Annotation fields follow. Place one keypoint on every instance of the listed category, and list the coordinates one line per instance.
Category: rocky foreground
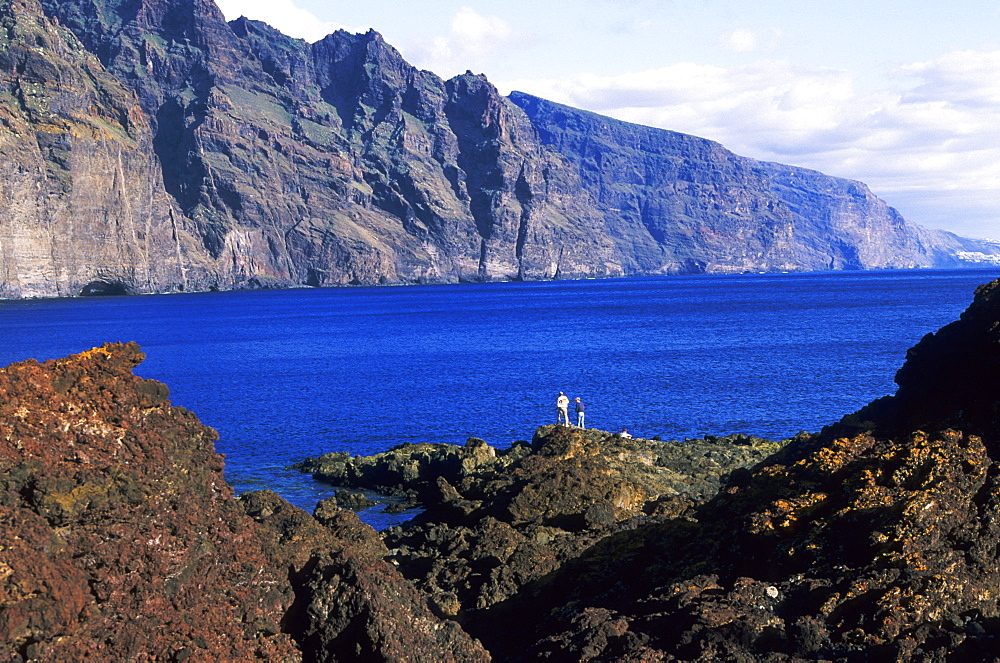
(877, 539)
(121, 540)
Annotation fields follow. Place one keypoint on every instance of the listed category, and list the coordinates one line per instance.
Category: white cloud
(472, 37)
(739, 41)
(932, 135)
(282, 15)
(473, 32)
(959, 77)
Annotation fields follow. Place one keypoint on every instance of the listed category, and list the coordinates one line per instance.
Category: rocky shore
(875, 539)
(496, 520)
(121, 540)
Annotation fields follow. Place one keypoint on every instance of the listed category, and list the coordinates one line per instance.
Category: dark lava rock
(874, 546)
(951, 378)
(409, 469)
(866, 542)
(871, 541)
(354, 501)
(495, 520)
(122, 541)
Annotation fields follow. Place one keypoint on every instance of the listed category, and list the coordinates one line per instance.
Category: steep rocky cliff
(82, 203)
(338, 162)
(841, 224)
(152, 146)
(678, 202)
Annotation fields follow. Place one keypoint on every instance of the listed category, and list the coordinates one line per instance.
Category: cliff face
(81, 193)
(152, 146)
(680, 202)
(676, 203)
(338, 162)
(841, 224)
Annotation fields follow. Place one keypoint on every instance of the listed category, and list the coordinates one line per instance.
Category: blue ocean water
(287, 374)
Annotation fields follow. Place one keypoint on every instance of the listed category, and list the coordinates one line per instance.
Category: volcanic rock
(950, 378)
(876, 539)
(150, 146)
(878, 545)
(122, 540)
(679, 203)
(495, 520)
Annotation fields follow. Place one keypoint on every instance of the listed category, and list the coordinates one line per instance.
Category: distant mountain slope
(151, 146)
(843, 219)
(683, 200)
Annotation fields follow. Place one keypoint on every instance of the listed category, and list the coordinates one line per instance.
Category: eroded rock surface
(122, 541)
(872, 540)
(152, 146)
(867, 541)
(496, 520)
(877, 545)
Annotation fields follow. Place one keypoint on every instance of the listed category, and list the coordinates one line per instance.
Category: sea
(287, 374)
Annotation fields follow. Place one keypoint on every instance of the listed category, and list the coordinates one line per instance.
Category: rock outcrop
(875, 539)
(122, 540)
(880, 544)
(497, 520)
(867, 541)
(151, 146)
(951, 378)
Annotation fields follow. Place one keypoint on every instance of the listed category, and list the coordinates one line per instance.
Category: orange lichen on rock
(120, 538)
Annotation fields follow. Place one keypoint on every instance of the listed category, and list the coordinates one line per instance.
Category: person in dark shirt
(579, 413)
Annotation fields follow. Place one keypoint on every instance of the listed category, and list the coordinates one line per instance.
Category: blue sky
(904, 96)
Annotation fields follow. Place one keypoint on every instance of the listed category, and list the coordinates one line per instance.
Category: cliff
(338, 162)
(151, 146)
(683, 203)
(82, 203)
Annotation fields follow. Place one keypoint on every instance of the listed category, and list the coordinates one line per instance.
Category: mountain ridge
(820, 222)
(260, 160)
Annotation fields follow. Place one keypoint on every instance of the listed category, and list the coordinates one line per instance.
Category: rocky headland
(874, 539)
(496, 520)
(152, 146)
(121, 540)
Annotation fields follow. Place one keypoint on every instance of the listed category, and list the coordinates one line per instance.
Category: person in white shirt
(562, 413)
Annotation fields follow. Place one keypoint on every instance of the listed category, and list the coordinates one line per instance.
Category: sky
(903, 96)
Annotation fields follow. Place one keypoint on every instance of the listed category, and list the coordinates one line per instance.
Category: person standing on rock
(579, 413)
(562, 407)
